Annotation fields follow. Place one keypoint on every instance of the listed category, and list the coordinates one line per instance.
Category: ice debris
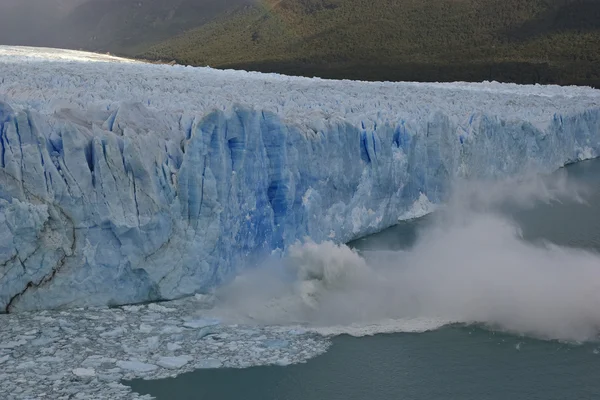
(86, 353)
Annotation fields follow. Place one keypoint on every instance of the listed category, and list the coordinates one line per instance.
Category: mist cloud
(470, 265)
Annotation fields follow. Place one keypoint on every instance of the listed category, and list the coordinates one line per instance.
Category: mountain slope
(120, 26)
(26, 22)
(511, 40)
(129, 26)
(524, 41)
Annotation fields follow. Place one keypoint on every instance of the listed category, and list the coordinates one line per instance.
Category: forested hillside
(546, 41)
(525, 41)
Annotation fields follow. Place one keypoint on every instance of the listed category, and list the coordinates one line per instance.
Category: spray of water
(470, 265)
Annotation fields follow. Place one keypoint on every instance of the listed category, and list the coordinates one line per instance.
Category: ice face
(122, 182)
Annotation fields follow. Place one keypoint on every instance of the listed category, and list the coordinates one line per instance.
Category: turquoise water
(455, 362)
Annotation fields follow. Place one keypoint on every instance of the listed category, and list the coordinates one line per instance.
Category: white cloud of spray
(469, 265)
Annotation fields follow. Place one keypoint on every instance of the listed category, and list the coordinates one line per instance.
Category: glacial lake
(454, 362)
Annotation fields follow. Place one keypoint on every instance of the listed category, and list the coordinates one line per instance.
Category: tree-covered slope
(512, 40)
(525, 41)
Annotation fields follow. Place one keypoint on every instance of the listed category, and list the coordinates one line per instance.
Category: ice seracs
(123, 182)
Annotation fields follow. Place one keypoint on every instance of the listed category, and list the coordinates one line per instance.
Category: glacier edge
(122, 182)
(96, 216)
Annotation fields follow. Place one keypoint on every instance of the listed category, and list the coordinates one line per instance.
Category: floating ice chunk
(204, 332)
(81, 340)
(12, 344)
(201, 323)
(283, 362)
(153, 342)
(159, 308)
(49, 359)
(208, 364)
(84, 372)
(275, 343)
(114, 333)
(169, 330)
(109, 377)
(413, 325)
(26, 365)
(173, 346)
(174, 362)
(204, 299)
(132, 309)
(297, 332)
(136, 366)
(96, 361)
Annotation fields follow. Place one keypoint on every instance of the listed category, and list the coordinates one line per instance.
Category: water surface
(454, 362)
(451, 363)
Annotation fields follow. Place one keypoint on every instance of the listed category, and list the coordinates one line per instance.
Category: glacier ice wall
(125, 199)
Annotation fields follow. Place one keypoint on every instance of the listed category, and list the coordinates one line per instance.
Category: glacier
(123, 182)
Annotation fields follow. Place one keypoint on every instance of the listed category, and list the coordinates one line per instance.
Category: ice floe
(86, 353)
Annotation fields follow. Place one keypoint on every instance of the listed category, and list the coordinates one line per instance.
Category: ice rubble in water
(85, 353)
(122, 182)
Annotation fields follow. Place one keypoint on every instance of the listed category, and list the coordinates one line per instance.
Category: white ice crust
(123, 182)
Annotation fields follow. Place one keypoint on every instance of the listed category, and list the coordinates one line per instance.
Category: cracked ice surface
(84, 354)
(123, 182)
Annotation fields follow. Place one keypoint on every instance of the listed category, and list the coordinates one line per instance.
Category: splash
(469, 265)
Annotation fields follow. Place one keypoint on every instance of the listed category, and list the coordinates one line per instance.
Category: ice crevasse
(123, 182)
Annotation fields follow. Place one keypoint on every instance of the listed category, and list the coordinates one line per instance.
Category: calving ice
(123, 182)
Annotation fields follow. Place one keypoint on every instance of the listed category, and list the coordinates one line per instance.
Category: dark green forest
(523, 41)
